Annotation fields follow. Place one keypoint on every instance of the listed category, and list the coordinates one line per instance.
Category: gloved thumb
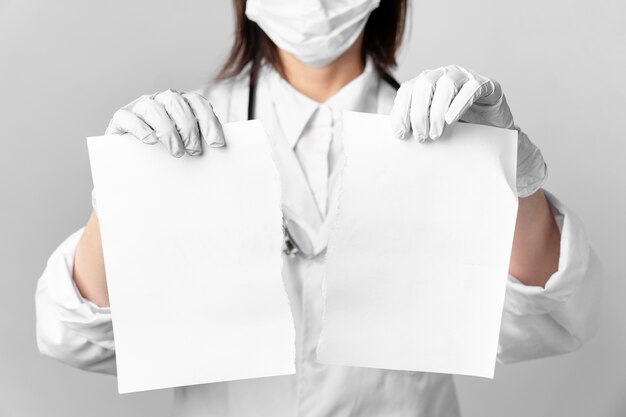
(124, 121)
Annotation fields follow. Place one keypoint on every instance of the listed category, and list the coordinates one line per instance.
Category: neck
(322, 83)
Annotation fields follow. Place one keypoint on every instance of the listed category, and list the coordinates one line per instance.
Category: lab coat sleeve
(562, 315)
(69, 327)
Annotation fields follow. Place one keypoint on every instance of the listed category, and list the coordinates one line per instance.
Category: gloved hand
(180, 121)
(425, 104)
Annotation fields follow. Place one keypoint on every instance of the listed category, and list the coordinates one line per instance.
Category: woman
(296, 66)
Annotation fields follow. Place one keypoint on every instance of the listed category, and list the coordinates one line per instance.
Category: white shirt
(536, 321)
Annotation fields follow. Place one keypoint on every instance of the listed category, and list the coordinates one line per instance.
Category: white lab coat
(537, 322)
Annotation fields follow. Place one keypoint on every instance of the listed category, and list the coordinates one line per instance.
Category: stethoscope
(290, 247)
(388, 78)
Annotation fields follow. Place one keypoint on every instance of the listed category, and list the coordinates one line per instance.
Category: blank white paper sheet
(417, 262)
(192, 250)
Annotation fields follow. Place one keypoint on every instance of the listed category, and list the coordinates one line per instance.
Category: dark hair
(382, 38)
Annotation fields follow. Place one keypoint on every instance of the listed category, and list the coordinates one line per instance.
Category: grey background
(66, 66)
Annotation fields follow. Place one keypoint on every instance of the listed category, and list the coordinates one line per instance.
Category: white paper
(417, 262)
(192, 252)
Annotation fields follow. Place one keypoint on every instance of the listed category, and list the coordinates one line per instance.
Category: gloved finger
(421, 97)
(124, 121)
(183, 118)
(154, 114)
(492, 93)
(210, 126)
(446, 89)
(400, 121)
(472, 91)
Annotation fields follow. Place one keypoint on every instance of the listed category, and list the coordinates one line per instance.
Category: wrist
(532, 171)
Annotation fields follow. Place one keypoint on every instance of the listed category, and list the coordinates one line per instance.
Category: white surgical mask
(315, 31)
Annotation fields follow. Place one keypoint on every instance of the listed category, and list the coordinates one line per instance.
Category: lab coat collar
(294, 109)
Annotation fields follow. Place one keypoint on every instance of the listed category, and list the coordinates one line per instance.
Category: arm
(554, 285)
(535, 254)
(88, 271)
(562, 313)
(69, 327)
(72, 303)
(183, 122)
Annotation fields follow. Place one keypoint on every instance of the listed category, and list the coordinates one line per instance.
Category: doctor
(295, 65)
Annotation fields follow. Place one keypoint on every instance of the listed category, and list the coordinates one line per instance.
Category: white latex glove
(435, 98)
(180, 121)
